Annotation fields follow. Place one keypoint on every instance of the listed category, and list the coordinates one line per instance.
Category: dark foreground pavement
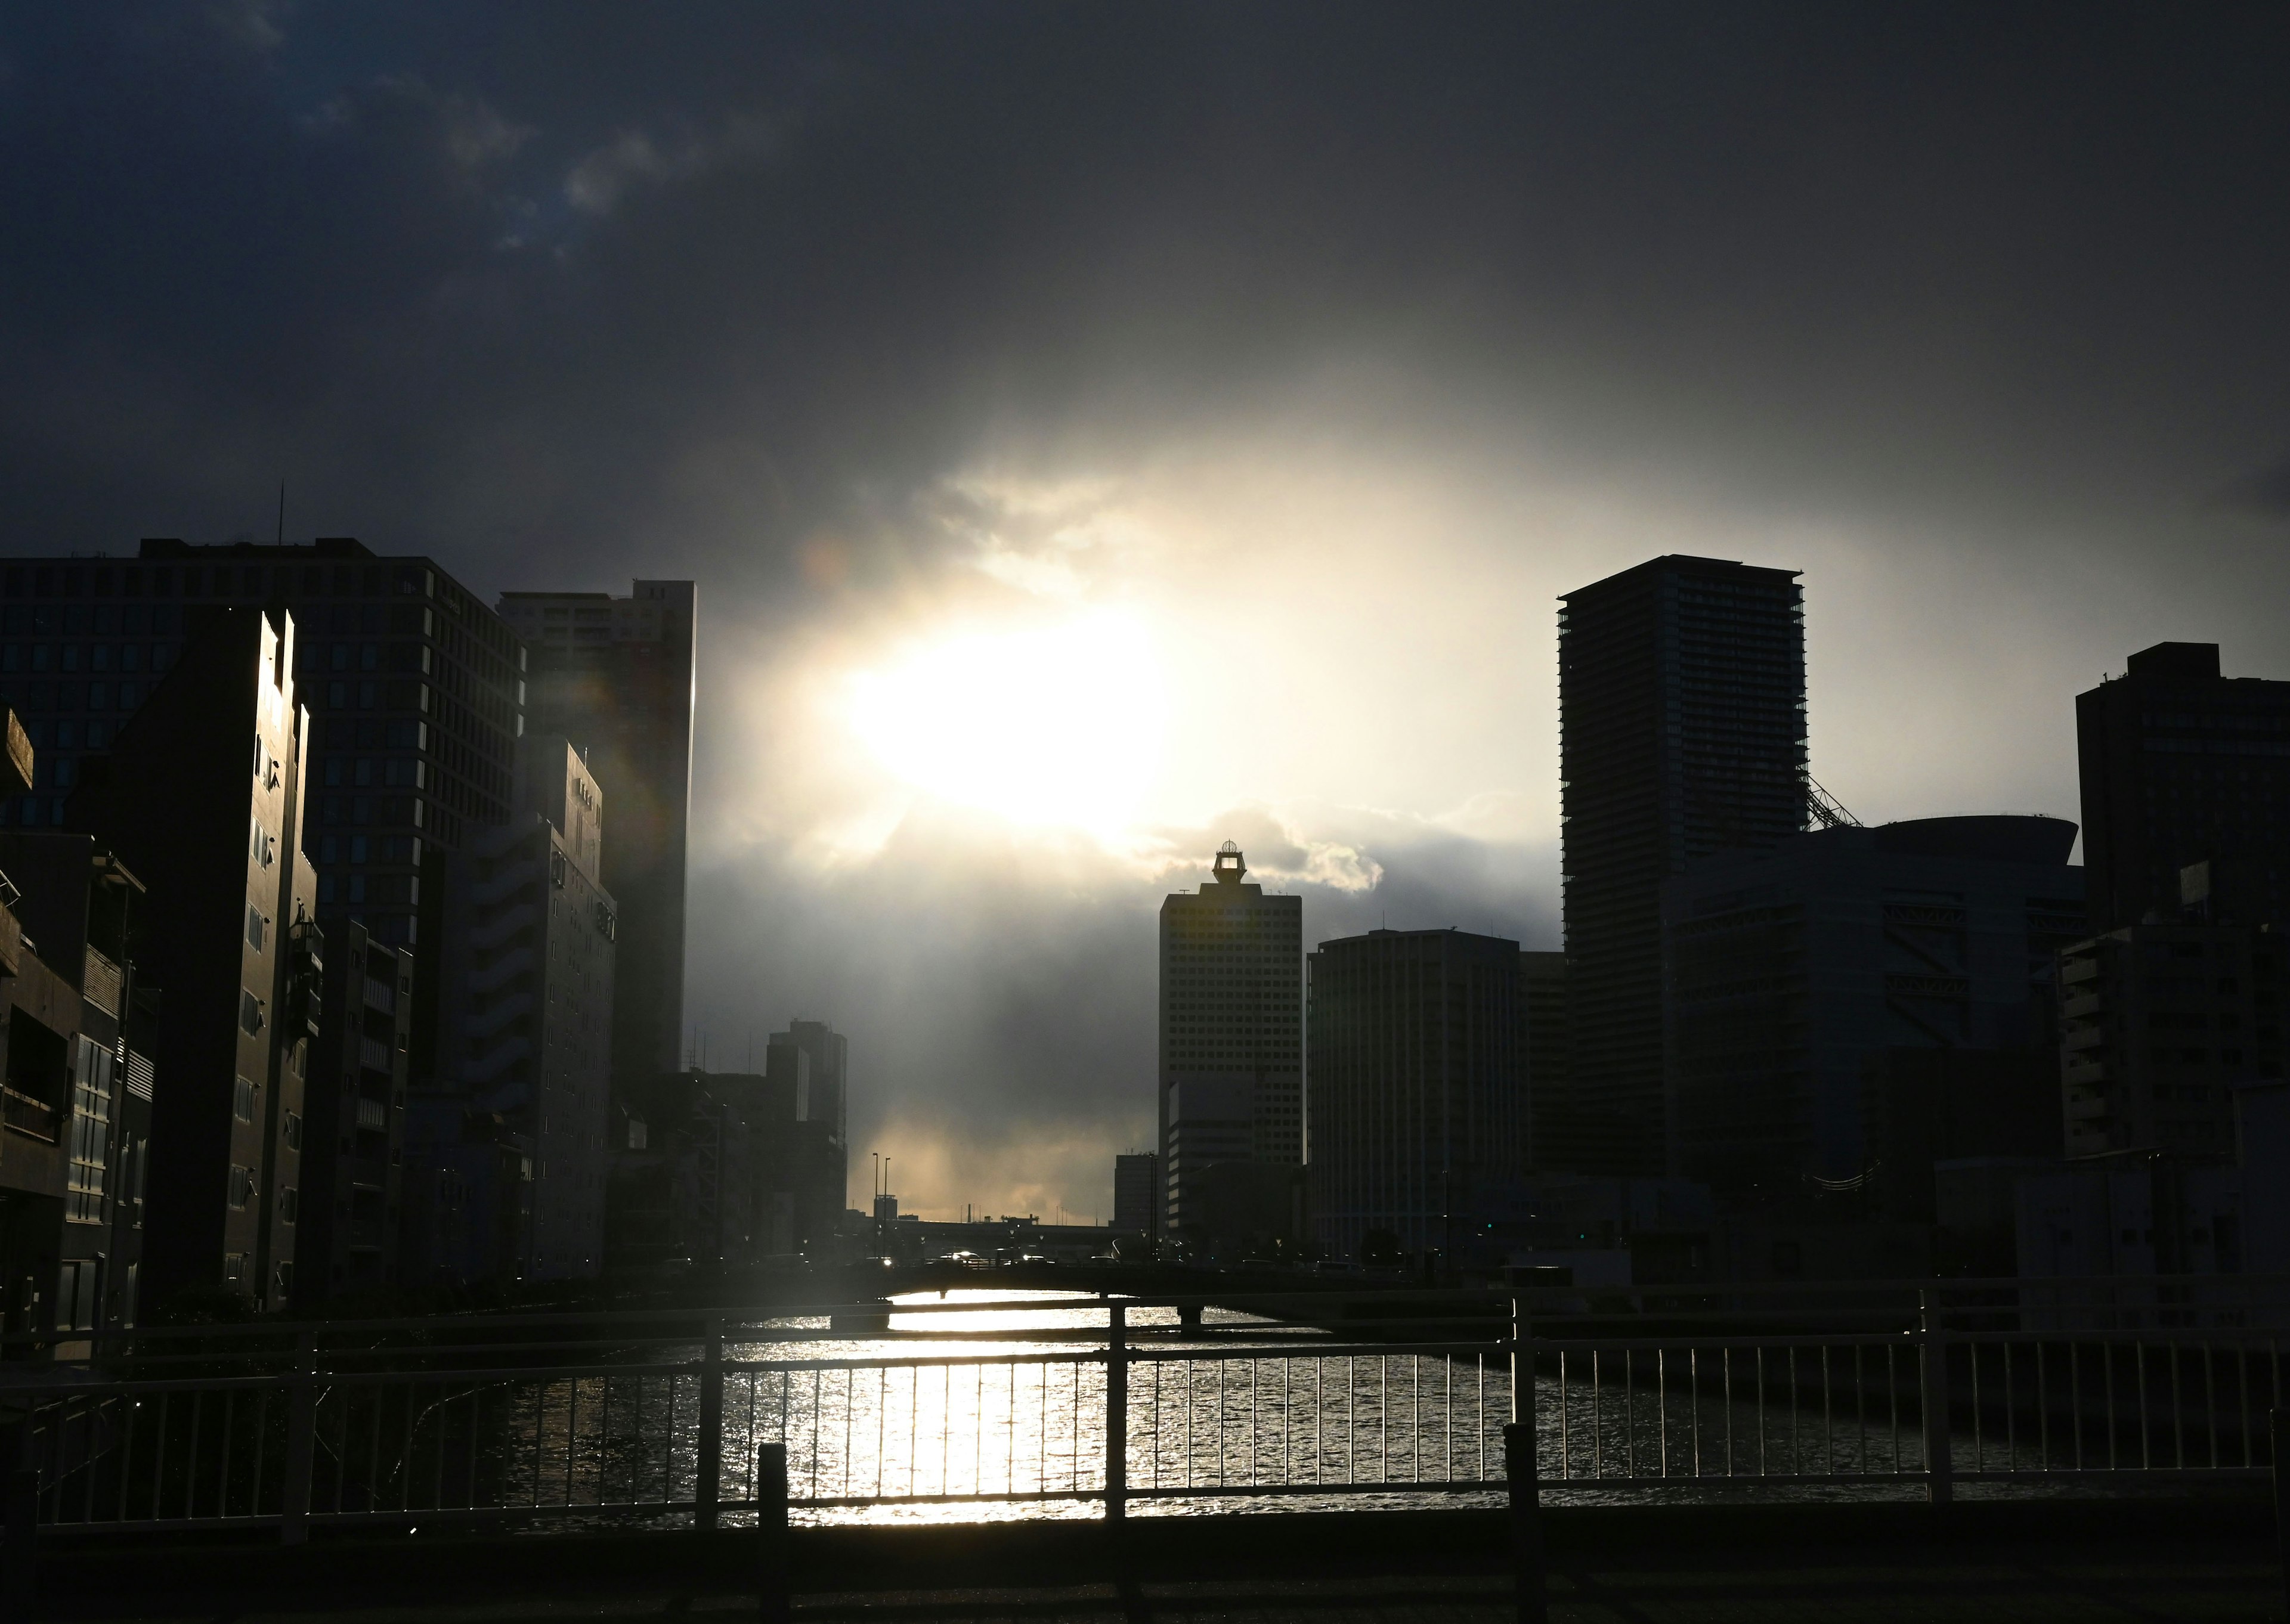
(2169, 1562)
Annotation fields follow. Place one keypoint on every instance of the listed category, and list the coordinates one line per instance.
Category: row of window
(38, 657)
(253, 580)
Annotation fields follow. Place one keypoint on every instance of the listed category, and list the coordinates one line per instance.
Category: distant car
(964, 1259)
(1018, 1258)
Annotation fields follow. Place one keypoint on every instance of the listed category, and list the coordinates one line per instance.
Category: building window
(233, 1263)
(250, 1012)
(293, 1131)
(257, 931)
(242, 1099)
(289, 1204)
(242, 1192)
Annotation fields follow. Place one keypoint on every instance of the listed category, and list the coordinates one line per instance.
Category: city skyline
(1270, 422)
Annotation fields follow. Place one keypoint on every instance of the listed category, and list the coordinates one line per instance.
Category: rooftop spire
(1229, 868)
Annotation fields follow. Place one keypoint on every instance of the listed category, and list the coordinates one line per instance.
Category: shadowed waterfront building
(1548, 1053)
(1418, 1085)
(530, 961)
(2181, 766)
(1232, 1029)
(615, 676)
(804, 1174)
(1790, 972)
(1136, 1193)
(1681, 695)
(355, 1098)
(201, 795)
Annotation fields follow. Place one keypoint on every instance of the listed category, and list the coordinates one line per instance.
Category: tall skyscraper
(353, 1146)
(1137, 1194)
(615, 676)
(2181, 766)
(1232, 1030)
(1419, 1105)
(1681, 697)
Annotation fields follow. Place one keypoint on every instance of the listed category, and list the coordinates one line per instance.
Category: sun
(1057, 725)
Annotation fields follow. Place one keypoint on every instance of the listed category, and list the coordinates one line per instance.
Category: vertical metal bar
(1116, 1414)
(2210, 1401)
(2075, 1397)
(708, 1472)
(1527, 1561)
(301, 1444)
(2242, 1378)
(1761, 1411)
(2011, 1414)
(2278, 1426)
(2178, 1410)
(2107, 1353)
(773, 1598)
(2043, 1410)
(1939, 1464)
(2139, 1358)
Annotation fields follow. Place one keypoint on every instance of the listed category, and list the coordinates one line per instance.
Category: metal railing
(1086, 1406)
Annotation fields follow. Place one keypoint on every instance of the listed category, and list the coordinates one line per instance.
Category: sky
(1099, 431)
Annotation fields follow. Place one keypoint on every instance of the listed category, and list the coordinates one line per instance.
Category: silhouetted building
(1232, 1027)
(615, 676)
(2179, 764)
(1418, 1085)
(77, 903)
(201, 795)
(1788, 969)
(530, 958)
(806, 1154)
(1681, 694)
(685, 1184)
(468, 1213)
(1921, 1106)
(354, 1131)
(1554, 1143)
(1137, 1194)
(2158, 1023)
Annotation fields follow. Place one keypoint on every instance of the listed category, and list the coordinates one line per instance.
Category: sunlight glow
(1056, 726)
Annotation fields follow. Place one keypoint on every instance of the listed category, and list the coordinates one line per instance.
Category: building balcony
(2089, 1107)
(2081, 1040)
(372, 1114)
(2083, 1006)
(102, 983)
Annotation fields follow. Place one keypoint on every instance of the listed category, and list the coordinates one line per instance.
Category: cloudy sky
(1100, 430)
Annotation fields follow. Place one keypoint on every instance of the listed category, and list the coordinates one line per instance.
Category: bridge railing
(1103, 1406)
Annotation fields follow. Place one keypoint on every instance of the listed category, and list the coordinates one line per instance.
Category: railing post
(774, 1601)
(2278, 1428)
(1116, 1413)
(20, 1526)
(301, 1443)
(709, 1489)
(1521, 1474)
(1932, 1398)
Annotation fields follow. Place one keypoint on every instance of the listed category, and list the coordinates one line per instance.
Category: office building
(804, 1117)
(530, 963)
(414, 686)
(201, 796)
(1787, 969)
(354, 1118)
(1232, 1029)
(1547, 1048)
(615, 676)
(1681, 696)
(1137, 1194)
(2180, 766)
(2157, 1024)
(1418, 1088)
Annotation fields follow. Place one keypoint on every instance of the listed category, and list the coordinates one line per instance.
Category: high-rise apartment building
(2181, 766)
(1681, 695)
(1232, 1029)
(615, 676)
(1419, 1100)
(201, 795)
(1790, 971)
(530, 965)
